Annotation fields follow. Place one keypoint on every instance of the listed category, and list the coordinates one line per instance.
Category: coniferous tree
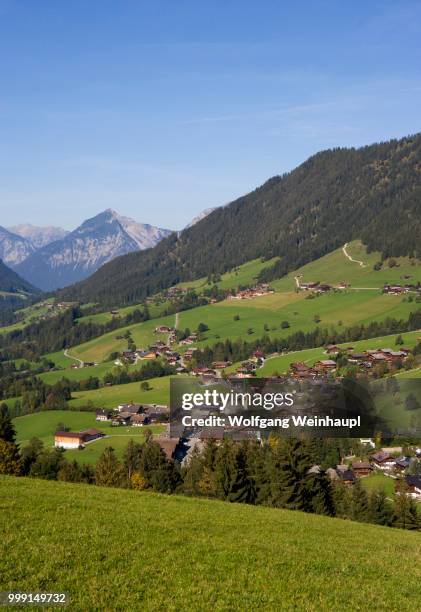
(30, 453)
(7, 431)
(289, 475)
(48, 463)
(108, 470)
(152, 459)
(341, 500)
(380, 510)
(320, 491)
(224, 468)
(243, 487)
(70, 472)
(359, 503)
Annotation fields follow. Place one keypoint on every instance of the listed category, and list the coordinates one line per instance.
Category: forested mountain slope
(372, 193)
(11, 282)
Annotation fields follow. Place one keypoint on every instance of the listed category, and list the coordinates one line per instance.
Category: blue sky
(161, 109)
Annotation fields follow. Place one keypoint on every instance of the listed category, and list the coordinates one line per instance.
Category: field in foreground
(116, 549)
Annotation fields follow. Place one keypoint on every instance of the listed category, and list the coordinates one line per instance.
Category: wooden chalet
(362, 468)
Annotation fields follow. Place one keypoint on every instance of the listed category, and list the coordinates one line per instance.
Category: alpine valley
(311, 279)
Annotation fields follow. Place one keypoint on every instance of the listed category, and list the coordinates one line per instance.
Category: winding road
(79, 361)
(348, 256)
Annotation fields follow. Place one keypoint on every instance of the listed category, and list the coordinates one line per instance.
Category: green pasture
(43, 425)
(174, 552)
(110, 397)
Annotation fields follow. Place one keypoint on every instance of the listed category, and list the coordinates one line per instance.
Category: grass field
(43, 425)
(337, 309)
(155, 309)
(177, 552)
(377, 481)
(335, 268)
(98, 371)
(245, 274)
(110, 397)
(361, 303)
(100, 348)
(281, 363)
(30, 313)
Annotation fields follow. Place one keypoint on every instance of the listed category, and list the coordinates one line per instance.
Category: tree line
(278, 473)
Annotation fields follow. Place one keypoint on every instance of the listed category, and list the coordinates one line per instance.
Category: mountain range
(52, 257)
(38, 236)
(372, 193)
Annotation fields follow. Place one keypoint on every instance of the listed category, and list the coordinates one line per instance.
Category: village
(389, 461)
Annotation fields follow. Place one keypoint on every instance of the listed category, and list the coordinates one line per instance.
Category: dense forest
(371, 193)
(58, 333)
(12, 282)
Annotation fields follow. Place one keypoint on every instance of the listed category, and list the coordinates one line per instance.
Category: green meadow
(92, 451)
(175, 552)
(246, 274)
(280, 364)
(335, 268)
(110, 397)
(43, 425)
(30, 314)
(78, 374)
(376, 481)
(339, 309)
(155, 309)
(100, 348)
(361, 303)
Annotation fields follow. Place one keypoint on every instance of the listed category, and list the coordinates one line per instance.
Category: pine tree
(380, 511)
(259, 464)
(224, 468)
(243, 487)
(342, 500)
(70, 472)
(359, 503)
(152, 458)
(206, 484)
(108, 470)
(7, 431)
(320, 490)
(30, 453)
(289, 473)
(405, 514)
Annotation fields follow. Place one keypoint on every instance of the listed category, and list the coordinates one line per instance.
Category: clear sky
(160, 109)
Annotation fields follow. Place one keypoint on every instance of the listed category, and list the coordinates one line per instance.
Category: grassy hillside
(127, 550)
(335, 267)
(110, 397)
(43, 425)
(280, 364)
(361, 303)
